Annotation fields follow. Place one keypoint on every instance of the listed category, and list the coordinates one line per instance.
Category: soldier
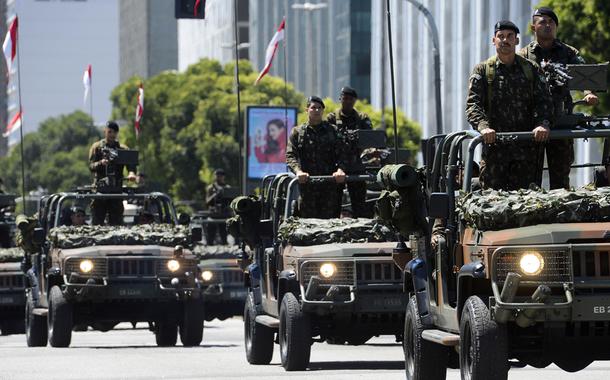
(108, 176)
(546, 47)
(78, 216)
(314, 148)
(508, 94)
(25, 240)
(348, 121)
(218, 206)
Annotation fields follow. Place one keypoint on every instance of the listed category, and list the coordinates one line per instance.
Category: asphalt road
(132, 354)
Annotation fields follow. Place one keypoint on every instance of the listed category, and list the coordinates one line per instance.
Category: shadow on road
(357, 365)
(149, 347)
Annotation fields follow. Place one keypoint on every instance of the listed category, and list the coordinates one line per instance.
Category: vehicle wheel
(573, 365)
(35, 325)
(423, 360)
(483, 343)
(59, 319)
(258, 338)
(358, 340)
(538, 361)
(166, 334)
(191, 328)
(295, 335)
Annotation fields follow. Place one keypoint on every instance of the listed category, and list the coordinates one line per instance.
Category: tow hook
(527, 317)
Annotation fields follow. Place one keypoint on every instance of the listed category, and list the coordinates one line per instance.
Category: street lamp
(313, 69)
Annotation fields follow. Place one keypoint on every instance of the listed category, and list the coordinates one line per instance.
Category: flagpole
(91, 97)
(242, 156)
(21, 117)
(392, 81)
(285, 80)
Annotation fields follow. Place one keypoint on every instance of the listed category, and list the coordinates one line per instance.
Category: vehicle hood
(558, 233)
(120, 250)
(341, 250)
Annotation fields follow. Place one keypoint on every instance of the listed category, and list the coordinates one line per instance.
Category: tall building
(148, 38)
(214, 37)
(57, 40)
(326, 48)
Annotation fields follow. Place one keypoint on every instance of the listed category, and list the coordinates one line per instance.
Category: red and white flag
(271, 49)
(87, 82)
(196, 7)
(14, 125)
(10, 44)
(139, 109)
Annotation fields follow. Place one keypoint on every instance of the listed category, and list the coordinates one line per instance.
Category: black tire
(294, 334)
(166, 334)
(573, 365)
(59, 319)
(35, 325)
(258, 339)
(483, 344)
(423, 360)
(191, 328)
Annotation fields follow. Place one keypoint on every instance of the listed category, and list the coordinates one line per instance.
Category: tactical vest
(490, 74)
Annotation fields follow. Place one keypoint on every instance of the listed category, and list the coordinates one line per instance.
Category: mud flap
(417, 269)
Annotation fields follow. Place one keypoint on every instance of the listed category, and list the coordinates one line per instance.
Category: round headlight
(86, 266)
(328, 270)
(173, 265)
(207, 275)
(531, 263)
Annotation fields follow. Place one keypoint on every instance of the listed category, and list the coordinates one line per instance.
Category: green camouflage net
(150, 234)
(496, 209)
(310, 231)
(11, 255)
(204, 252)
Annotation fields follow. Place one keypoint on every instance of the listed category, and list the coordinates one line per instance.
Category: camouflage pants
(559, 156)
(319, 200)
(510, 168)
(210, 233)
(113, 208)
(357, 196)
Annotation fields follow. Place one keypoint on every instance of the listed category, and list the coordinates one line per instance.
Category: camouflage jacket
(348, 126)
(96, 155)
(315, 149)
(219, 207)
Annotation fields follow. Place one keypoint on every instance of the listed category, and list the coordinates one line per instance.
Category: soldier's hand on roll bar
(339, 176)
(541, 133)
(302, 176)
(489, 135)
(591, 99)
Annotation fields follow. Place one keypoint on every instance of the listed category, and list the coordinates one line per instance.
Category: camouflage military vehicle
(313, 280)
(224, 291)
(521, 276)
(99, 276)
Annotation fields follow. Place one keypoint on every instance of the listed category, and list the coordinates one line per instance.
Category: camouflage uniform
(317, 150)
(517, 105)
(219, 209)
(348, 126)
(560, 153)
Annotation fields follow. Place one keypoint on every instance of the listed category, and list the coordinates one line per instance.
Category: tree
(584, 25)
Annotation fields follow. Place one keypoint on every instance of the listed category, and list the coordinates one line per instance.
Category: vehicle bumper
(12, 303)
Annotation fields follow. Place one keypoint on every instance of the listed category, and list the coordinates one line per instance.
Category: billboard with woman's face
(268, 131)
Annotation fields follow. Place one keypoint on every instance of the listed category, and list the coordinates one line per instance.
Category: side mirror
(184, 219)
(265, 229)
(196, 234)
(439, 205)
(38, 236)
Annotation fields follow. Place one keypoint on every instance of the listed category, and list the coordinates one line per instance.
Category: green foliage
(55, 156)
(584, 25)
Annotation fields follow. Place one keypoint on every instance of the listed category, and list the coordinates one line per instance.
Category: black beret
(505, 24)
(77, 209)
(546, 11)
(316, 99)
(347, 90)
(112, 125)
(219, 172)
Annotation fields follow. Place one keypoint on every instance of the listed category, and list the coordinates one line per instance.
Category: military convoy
(99, 276)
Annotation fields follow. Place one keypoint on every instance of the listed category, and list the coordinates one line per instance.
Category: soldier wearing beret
(315, 149)
(546, 47)
(349, 121)
(218, 207)
(508, 94)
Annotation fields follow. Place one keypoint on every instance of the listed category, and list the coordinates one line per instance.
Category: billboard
(268, 130)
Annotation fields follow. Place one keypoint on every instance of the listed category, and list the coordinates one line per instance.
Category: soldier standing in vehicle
(546, 47)
(349, 121)
(508, 94)
(218, 206)
(108, 177)
(315, 149)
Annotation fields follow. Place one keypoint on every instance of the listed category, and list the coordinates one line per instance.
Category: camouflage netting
(310, 231)
(496, 210)
(150, 234)
(10, 255)
(217, 251)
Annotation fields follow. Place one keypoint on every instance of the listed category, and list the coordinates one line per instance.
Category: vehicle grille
(557, 266)
(377, 272)
(232, 276)
(589, 264)
(344, 275)
(131, 268)
(185, 266)
(100, 268)
(13, 281)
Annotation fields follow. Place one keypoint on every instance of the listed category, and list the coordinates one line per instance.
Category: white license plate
(5, 300)
(130, 292)
(387, 302)
(237, 294)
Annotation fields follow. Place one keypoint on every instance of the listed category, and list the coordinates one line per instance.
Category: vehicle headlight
(173, 265)
(207, 275)
(327, 270)
(86, 266)
(531, 263)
